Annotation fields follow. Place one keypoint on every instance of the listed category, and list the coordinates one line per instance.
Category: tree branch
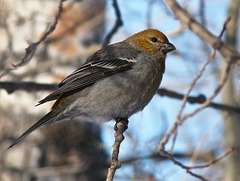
(181, 118)
(118, 23)
(200, 99)
(203, 33)
(206, 156)
(188, 168)
(10, 87)
(30, 50)
(120, 126)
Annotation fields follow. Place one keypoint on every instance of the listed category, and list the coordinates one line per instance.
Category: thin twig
(181, 118)
(202, 32)
(202, 12)
(149, 13)
(216, 92)
(10, 87)
(189, 168)
(225, 154)
(192, 85)
(225, 26)
(118, 23)
(205, 156)
(201, 143)
(166, 154)
(174, 140)
(198, 99)
(31, 49)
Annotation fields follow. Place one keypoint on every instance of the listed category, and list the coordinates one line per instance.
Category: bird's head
(151, 41)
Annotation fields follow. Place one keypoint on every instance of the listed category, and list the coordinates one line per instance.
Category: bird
(117, 81)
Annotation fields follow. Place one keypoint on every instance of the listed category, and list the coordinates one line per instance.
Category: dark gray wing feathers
(97, 67)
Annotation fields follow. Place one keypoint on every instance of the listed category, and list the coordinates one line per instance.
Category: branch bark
(31, 49)
(200, 99)
(186, 18)
(120, 126)
(10, 87)
(118, 23)
(231, 121)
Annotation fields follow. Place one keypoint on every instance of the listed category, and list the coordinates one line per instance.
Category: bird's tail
(45, 120)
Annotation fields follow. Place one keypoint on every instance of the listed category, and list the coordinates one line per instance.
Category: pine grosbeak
(115, 82)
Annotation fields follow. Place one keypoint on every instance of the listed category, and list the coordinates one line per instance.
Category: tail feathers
(46, 120)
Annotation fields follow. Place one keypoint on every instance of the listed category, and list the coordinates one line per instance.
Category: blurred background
(75, 150)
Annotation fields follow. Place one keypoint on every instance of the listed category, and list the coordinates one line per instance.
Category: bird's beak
(168, 47)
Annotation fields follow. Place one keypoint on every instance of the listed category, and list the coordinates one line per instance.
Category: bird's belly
(119, 97)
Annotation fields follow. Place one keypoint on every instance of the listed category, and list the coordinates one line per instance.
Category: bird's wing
(105, 62)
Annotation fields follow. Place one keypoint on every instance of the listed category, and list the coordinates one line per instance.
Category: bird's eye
(154, 39)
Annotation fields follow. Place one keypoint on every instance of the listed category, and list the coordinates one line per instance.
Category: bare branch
(215, 160)
(187, 168)
(216, 92)
(179, 116)
(10, 87)
(206, 156)
(207, 102)
(166, 154)
(193, 84)
(198, 99)
(225, 26)
(202, 12)
(118, 23)
(120, 127)
(30, 50)
(202, 32)
(180, 119)
(149, 13)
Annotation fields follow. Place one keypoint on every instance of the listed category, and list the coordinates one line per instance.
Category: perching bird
(115, 82)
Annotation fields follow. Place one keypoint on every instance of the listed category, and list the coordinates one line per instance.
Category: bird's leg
(124, 121)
